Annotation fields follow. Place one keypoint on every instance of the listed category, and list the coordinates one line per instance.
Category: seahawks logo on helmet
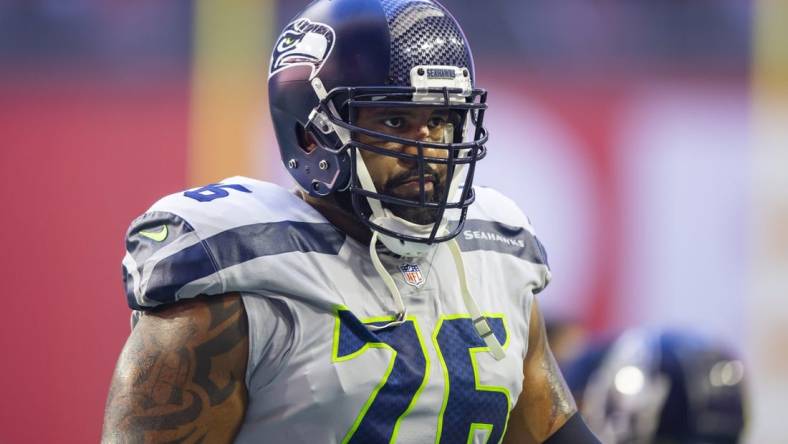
(303, 43)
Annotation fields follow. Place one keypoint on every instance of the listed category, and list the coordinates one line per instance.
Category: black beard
(419, 216)
(416, 215)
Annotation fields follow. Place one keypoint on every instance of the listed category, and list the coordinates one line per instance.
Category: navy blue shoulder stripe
(236, 246)
(248, 242)
(507, 239)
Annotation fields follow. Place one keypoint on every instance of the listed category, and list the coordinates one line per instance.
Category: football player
(386, 300)
(660, 387)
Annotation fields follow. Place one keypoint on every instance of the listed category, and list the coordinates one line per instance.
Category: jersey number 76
(467, 405)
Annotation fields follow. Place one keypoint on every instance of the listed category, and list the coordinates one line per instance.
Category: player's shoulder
(181, 245)
(495, 223)
(236, 201)
(494, 206)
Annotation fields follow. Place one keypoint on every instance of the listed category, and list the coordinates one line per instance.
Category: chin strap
(479, 320)
(366, 182)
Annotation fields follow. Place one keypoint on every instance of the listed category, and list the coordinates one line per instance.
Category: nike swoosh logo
(158, 235)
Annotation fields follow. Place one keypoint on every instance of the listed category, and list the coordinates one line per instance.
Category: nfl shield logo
(412, 274)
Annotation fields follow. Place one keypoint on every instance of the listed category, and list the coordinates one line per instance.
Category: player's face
(400, 177)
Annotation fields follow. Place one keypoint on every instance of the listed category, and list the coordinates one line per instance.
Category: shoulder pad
(183, 246)
(234, 202)
(163, 255)
(496, 223)
(491, 204)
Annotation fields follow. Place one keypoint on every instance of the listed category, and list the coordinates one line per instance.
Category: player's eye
(394, 122)
(436, 122)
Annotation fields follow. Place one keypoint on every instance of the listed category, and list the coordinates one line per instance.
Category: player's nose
(421, 134)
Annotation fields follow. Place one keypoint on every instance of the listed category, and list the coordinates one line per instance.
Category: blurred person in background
(387, 299)
(660, 387)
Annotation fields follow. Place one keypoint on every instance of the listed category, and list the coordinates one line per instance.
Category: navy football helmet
(339, 56)
(656, 387)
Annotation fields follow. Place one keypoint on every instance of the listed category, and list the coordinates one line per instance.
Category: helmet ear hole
(305, 139)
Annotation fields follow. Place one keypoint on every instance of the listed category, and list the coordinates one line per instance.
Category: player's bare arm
(180, 376)
(545, 404)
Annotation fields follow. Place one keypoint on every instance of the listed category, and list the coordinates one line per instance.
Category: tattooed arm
(180, 377)
(545, 403)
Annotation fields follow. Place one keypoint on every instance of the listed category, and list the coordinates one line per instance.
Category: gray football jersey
(317, 373)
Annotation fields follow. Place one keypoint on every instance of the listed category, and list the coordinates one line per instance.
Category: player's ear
(305, 139)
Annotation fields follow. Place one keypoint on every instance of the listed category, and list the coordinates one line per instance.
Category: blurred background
(647, 141)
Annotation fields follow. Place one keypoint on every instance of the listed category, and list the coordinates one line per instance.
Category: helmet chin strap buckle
(323, 122)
